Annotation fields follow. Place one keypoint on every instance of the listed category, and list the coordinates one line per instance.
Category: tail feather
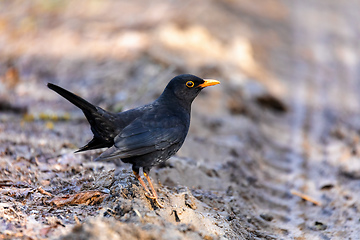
(95, 143)
(102, 123)
(74, 99)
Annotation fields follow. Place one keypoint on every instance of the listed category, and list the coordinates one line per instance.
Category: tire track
(323, 83)
(325, 86)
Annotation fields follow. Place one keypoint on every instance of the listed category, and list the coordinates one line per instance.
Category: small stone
(320, 226)
(266, 217)
(189, 202)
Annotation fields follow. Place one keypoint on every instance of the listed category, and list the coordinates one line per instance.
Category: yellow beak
(209, 82)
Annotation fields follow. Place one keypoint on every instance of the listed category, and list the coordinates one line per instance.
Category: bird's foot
(149, 195)
(155, 198)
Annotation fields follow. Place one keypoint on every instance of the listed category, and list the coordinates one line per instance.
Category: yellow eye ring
(190, 84)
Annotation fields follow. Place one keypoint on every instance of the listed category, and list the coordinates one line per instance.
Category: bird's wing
(142, 137)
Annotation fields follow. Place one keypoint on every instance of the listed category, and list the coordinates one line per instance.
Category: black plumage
(143, 136)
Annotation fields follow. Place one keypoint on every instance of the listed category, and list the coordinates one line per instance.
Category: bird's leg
(154, 194)
(136, 173)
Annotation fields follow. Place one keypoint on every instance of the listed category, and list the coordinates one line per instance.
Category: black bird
(143, 136)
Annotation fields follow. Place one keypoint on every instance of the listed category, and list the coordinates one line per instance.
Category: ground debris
(87, 198)
(319, 226)
(42, 191)
(8, 107)
(190, 201)
(272, 103)
(305, 197)
(267, 217)
(18, 193)
(10, 183)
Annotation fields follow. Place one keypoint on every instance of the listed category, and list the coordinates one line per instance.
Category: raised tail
(74, 99)
(102, 122)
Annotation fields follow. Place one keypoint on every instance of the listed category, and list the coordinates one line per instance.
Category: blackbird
(144, 136)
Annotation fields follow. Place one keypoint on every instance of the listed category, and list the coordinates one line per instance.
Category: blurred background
(284, 119)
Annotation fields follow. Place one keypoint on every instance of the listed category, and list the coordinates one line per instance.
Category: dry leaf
(87, 198)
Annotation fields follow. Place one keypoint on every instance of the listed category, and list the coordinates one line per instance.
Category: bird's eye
(190, 84)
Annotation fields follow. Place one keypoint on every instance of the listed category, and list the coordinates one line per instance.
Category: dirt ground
(272, 152)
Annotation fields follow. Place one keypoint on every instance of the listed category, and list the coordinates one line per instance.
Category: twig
(305, 197)
(137, 213)
(77, 220)
(42, 191)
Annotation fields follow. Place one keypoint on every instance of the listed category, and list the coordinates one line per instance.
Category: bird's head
(186, 87)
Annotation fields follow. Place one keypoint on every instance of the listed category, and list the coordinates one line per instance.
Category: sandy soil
(272, 153)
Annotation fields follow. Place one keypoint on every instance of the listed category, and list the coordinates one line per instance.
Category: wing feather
(142, 137)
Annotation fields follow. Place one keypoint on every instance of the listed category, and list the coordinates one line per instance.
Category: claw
(149, 195)
(155, 199)
(152, 195)
(158, 203)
